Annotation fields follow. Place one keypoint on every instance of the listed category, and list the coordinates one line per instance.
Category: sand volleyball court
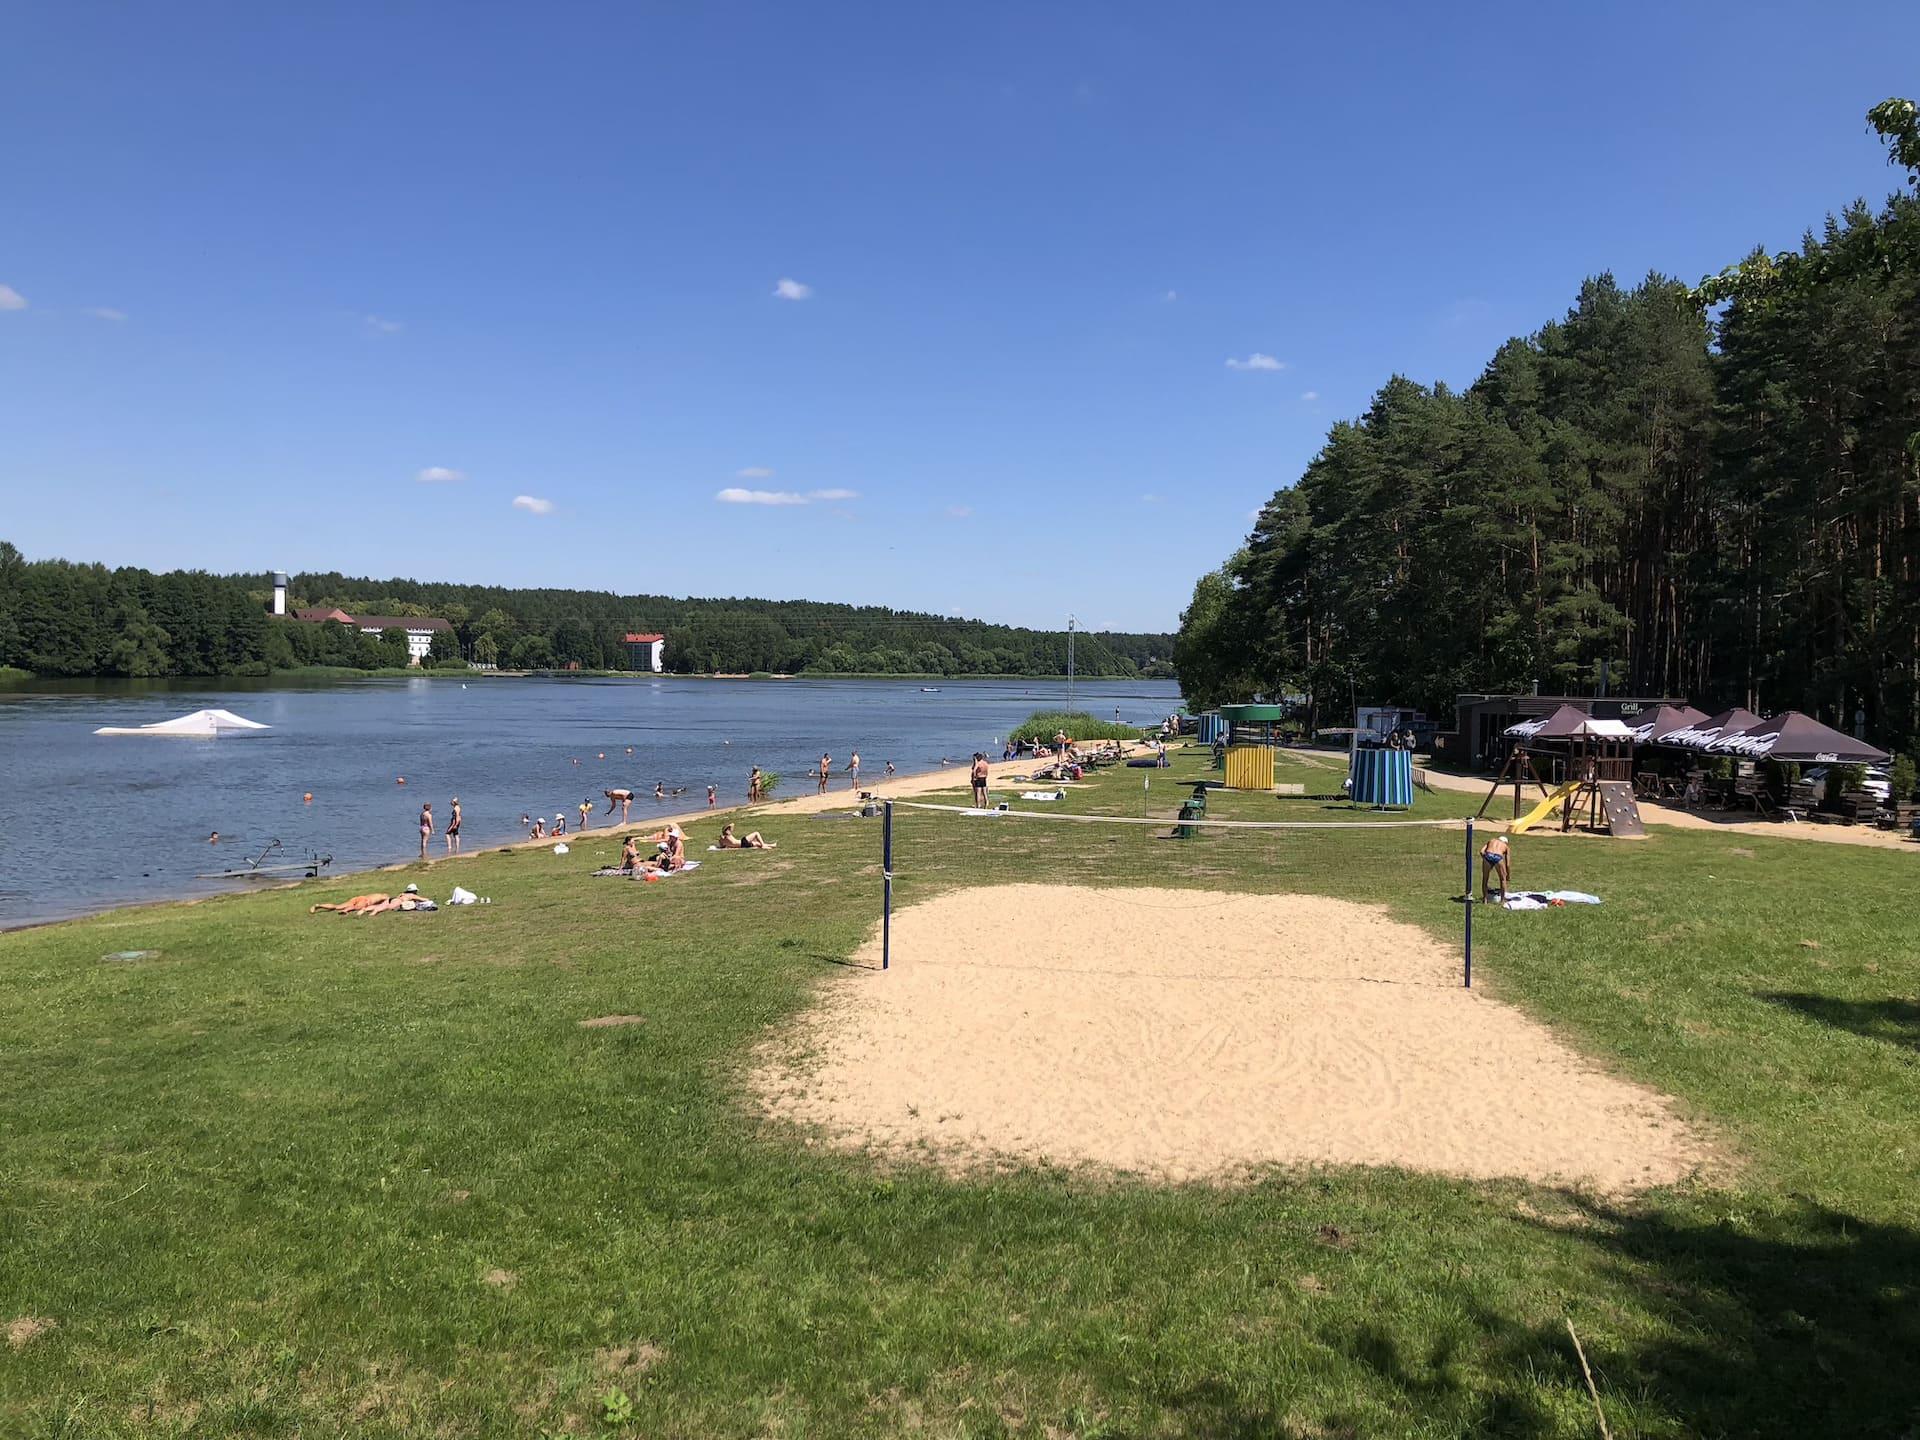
(1193, 1035)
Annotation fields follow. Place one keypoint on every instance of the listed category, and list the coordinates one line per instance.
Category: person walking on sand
(1496, 861)
(622, 798)
(453, 827)
(426, 828)
(826, 770)
(979, 781)
(853, 771)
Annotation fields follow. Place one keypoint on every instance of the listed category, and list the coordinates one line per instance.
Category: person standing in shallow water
(853, 771)
(826, 770)
(426, 827)
(453, 827)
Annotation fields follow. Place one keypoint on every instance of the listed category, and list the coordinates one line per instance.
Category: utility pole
(1069, 664)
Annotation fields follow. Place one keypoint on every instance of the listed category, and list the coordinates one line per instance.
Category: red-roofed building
(645, 650)
(420, 628)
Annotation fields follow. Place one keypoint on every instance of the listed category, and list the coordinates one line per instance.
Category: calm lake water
(90, 821)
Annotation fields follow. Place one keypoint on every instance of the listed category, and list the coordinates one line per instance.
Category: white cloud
(792, 289)
(381, 326)
(959, 512)
(1255, 361)
(533, 504)
(1310, 395)
(754, 472)
(737, 495)
(1171, 296)
(440, 475)
(104, 312)
(1151, 499)
(11, 299)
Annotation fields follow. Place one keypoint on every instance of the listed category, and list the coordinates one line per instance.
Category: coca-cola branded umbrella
(1664, 718)
(1794, 736)
(1702, 734)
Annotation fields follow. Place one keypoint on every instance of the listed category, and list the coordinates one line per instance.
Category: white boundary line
(1174, 820)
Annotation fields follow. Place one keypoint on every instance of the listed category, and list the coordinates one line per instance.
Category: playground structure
(1588, 774)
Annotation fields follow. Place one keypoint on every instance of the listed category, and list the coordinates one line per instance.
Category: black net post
(886, 886)
(1466, 907)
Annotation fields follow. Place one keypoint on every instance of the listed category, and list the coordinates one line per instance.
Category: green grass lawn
(311, 1176)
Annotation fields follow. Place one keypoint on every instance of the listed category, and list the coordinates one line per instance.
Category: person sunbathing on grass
(752, 840)
(1496, 860)
(672, 852)
(358, 905)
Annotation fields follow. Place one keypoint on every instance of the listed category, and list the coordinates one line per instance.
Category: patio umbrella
(1663, 718)
(1703, 733)
(1791, 735)
(1563, 722)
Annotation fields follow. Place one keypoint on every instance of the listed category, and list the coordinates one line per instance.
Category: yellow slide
(1545, 808)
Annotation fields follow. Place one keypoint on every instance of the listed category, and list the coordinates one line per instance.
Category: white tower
(280, 592)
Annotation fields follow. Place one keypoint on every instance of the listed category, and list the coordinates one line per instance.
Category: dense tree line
(61, 618)
(1710, 492)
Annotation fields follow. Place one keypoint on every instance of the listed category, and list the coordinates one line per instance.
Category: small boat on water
(929, 689)
(200, 725)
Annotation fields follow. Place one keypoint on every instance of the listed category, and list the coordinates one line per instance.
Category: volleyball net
(1417, 869)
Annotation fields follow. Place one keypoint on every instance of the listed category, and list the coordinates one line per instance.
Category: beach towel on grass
(614, 872)
(1043, 794)
(1545, 899)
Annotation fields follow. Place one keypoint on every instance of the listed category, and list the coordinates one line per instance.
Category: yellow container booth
(1250, 767)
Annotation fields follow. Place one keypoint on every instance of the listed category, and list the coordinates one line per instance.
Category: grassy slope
(260, 1179)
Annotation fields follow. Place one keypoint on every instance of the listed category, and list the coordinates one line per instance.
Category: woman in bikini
(426, 828)
(630, 855)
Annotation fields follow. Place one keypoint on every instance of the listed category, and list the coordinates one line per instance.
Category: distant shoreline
(904, 784)
(10, 676)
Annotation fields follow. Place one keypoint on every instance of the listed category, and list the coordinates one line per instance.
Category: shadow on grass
(1801, 1321)
(1893, 1020)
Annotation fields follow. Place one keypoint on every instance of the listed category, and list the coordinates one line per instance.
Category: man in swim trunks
(453, 827)
(826, 770)
(752, 840)
(853, 771)
(622, 798)
(979, 781)
(1496, 859)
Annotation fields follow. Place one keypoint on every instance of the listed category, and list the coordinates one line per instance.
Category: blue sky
(265, 267)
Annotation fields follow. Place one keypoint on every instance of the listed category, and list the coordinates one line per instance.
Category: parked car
(1878, 783)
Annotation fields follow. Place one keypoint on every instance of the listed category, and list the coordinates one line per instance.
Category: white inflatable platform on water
(201, 725)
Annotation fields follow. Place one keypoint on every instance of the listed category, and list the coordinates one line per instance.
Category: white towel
(1043, 794)
(462, 896)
